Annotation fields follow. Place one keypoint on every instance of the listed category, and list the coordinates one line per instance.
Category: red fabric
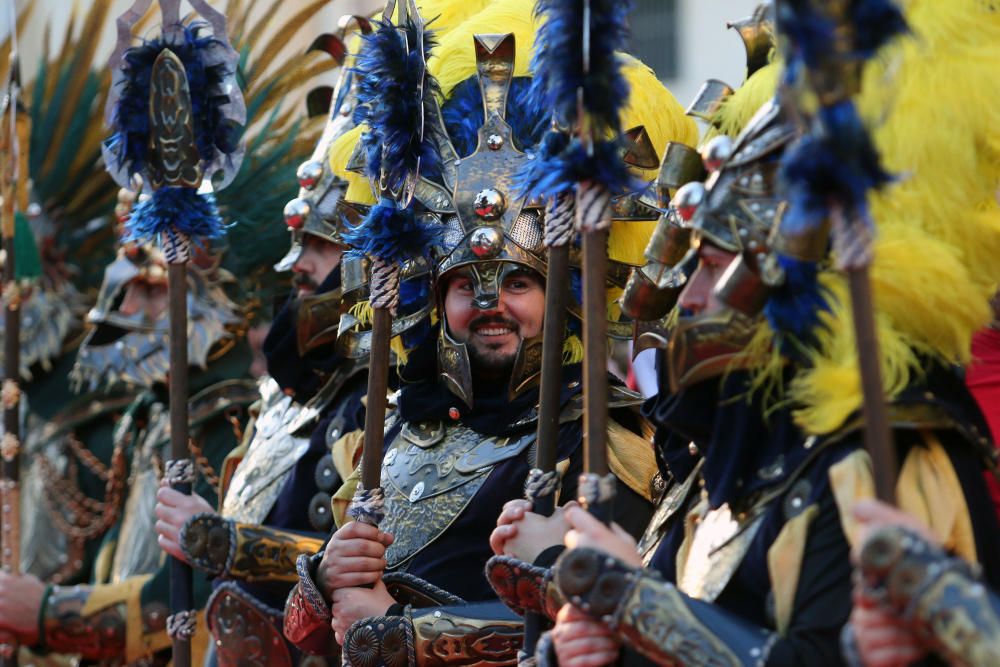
(983, 380)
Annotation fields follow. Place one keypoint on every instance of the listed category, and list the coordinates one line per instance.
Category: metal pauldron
(940, 596)
(433, 637)
(654, 618)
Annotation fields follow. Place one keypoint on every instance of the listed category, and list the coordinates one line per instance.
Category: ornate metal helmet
(739, 204)
(317, 210)
(132, 348)
(485, 130)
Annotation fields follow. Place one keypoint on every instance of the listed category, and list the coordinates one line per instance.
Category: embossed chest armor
(281, 438)
(430, 474)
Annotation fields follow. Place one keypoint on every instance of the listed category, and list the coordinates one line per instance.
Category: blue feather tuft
(463, 115)
(393, 234)
(558, 63)
(213, 134)
(394, 95)
(175, 209)
(875, 22)
(793, 308)
(562, 162)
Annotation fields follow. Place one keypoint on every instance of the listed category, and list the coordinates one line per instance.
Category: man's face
(493, 336)
(698, 296)
(147, 297)
(318, 259)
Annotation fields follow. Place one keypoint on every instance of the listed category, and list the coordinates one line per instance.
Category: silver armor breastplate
(430, 474)
(281, 438)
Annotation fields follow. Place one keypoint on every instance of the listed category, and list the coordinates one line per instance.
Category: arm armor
(476, 635)
(222, 547)
(307, 613)
(942, 597)
(70, 626)
(523, 587)
(656, 619)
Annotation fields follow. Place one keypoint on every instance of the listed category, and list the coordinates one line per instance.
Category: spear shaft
(10, 543)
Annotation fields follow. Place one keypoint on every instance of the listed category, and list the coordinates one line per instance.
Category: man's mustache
(303, 280)
(487, 320)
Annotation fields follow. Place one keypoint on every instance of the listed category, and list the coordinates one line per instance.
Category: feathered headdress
(177, 116)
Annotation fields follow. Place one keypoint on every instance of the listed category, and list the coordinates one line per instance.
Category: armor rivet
(796, 502)
(418, 490)
(494, 142)
(486, 242)
(309, 174)
(687, 199)
(489, 204)
(758, 179)
(437, 614)
(296, 212)
(454, 413)
(716, 152)
(692, 449)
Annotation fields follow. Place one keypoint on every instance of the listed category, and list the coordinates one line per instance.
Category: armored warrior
(102, 463)
(461, 441)
(311, 398)
(747, 558)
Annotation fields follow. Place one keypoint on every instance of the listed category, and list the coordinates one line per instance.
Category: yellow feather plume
(737, 110)
(932, 97)
(454, 59)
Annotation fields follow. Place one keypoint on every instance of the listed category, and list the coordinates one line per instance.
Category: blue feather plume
(394, 96)
(175, 210)
(463, 115)
(129, 142)
(835, 164)
(393, 234)
(558, 63)
(559, 73)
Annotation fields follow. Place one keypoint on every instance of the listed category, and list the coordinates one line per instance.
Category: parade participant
(121, 615)
(748, 561)
(312, 397)
(459, 445)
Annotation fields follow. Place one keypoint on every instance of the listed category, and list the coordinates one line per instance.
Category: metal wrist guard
(478, 635)
(307, 614)
(413, 591)
(942, 597)
(209, 543)
(656, 619)
(523, 587)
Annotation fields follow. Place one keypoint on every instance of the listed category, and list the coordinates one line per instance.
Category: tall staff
(177, 136)
(830, 172)
(10, 394)
(391, 233)
(578, 68)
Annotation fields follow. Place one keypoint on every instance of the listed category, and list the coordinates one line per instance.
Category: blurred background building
(684, 41)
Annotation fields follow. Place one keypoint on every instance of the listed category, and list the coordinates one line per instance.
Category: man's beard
(484, 359)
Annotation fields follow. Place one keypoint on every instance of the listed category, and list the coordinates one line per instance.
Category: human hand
(582, 641)
(523, 534)
(588, 531)
(20, 601)
(874, 514)
(354, 556)
(350, 605)
(173, 509)
(883, 640)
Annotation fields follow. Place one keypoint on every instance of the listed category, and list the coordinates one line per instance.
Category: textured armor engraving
(524, 587)
(442, 639)
(667, 507)
(140, 552)
(428, 481)
(657, 622)
(101, 636)
(720, 542)
(246, 632)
